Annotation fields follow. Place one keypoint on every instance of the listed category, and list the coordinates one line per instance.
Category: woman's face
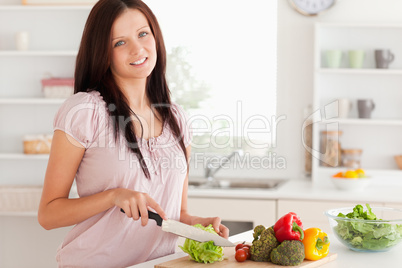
(133, 47)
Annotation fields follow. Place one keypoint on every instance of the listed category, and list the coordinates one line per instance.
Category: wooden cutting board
(230, 261)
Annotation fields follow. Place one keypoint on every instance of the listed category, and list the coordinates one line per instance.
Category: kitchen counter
(296, 195)
(346, 257)
(380, 190)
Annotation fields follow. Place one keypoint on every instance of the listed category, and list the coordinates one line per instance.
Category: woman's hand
(133, 203)
(221, 229)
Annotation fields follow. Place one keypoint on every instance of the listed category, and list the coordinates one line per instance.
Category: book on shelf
(59, 2)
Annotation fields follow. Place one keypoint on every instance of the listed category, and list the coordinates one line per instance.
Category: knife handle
(151, 215)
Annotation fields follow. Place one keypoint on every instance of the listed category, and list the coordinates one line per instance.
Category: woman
(123, 141)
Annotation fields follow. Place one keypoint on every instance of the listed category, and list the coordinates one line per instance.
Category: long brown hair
(92, 71)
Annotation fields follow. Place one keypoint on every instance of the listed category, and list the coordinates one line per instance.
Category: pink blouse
(111, 239)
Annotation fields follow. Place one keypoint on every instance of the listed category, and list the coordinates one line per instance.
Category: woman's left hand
(221, 229)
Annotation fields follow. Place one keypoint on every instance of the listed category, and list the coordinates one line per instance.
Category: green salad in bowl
(370, 230)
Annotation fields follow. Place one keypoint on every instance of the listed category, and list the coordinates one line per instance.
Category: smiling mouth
(138, 62)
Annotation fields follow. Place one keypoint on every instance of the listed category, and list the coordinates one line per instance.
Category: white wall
(295, 65)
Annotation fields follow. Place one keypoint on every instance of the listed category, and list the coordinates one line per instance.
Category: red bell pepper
(289, 227)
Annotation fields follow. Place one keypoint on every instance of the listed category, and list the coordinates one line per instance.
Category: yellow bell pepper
(316, 244)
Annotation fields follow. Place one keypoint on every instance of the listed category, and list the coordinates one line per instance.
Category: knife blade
(188, 231)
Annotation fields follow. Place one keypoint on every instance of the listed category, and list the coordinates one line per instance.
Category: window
(222, 70)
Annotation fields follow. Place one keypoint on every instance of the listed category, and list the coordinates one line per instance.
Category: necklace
(142, 128)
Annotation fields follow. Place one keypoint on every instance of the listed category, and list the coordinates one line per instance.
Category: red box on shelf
(58, 87)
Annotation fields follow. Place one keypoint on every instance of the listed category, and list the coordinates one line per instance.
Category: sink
(236, 184)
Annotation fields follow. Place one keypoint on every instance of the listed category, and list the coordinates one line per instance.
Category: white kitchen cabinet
(312, 212)
(24, 243)
(237, 210)
(378, 137)
(54, 36)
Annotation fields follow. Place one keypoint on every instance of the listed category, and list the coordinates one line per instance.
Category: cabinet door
(243, 210)
(24, 243)
(312, 212)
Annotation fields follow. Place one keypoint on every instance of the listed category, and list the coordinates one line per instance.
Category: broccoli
(289, 252)
(257, 232)
(264, 242)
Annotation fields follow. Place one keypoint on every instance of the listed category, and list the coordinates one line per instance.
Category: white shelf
(68, 53)
(19, 213)
(359, 25)
(21, 156)
(31, 101)
(44, 7)
(359, 71)
(65, 24)
(378, 136)
(364, 122)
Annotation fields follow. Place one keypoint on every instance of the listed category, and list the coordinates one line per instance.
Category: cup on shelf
(383, 57)
(22, 40)
(333, 58)
(356, 58)
(344, 107)
(365, 107)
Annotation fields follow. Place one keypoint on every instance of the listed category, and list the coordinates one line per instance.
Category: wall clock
(311, 7)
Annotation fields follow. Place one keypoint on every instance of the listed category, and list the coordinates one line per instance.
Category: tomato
(247, 250)
(246, 246)
(240, 255)
(239, 246)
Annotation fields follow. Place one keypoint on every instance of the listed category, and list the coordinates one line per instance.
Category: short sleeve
(81, 116)
(183, 123)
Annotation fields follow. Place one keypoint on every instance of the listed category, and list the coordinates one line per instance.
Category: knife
(188, 231)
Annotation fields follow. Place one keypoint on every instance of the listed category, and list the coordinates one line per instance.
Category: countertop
(380, 190)
(346, 257)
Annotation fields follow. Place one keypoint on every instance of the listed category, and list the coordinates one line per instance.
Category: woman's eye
(119, 43)
(142, 34)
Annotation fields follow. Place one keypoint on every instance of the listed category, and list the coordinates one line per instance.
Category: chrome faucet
(210, 169)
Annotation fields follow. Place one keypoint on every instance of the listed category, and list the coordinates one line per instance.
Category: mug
(344, 106)
(333, 58)
(383, 57)
(365, 107)
(356, 58)
(22, 40)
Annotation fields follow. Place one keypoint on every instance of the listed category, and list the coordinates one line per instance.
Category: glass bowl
(367, 235)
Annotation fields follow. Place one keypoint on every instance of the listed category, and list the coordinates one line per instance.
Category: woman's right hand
(133, 203)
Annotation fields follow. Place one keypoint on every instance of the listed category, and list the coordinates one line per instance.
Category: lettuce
(371, 236)
(205, 252)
